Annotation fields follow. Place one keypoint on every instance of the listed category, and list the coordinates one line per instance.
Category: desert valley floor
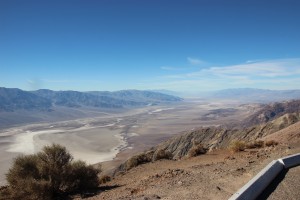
(101, 138)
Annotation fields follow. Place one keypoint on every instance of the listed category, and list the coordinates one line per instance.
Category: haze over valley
(96, 126)
(131, 99)
(97, 132)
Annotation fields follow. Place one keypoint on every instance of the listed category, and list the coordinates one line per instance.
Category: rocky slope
(209, 138)
(272, 111)
(175, 175)
(213, 176)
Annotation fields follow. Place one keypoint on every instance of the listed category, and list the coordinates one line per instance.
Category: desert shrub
(136, 160)
(237, 146)
(255, 144)
(81, 177)
(197, 149)
(49, 174)
(54, 164)
(161, 154)
(271, 143)
(4, 192)
(25, 180)
(104, 179)
(139, 159)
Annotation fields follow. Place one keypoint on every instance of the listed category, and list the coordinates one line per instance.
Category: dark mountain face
(14, 99)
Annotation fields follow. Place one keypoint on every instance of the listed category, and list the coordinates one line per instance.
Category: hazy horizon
(149, 45)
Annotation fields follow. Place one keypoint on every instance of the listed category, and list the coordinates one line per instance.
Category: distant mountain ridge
(139, 96)
(256, 95)
(246, 95)
(14, 99)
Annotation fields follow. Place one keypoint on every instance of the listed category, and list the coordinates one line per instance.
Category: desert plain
(112, 137)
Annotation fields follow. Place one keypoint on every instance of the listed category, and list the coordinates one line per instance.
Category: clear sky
(187, 45)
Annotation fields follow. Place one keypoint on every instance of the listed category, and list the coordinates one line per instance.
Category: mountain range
(24, 107)
(12, 99)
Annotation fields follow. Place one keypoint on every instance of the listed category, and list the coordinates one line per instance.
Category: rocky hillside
(277, 117)
(207, 176)
(216, 137)
(272, 111)
(176, 174)
(203, 177)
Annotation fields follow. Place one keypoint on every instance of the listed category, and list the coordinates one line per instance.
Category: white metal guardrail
(260, 182)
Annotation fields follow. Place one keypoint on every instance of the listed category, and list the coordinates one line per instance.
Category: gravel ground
(216, 175)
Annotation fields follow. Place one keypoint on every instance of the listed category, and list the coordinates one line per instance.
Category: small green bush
(48, 175)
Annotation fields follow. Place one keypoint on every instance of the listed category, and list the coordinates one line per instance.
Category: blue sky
(186, 45)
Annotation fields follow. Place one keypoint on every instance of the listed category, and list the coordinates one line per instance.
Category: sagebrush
(49, 174)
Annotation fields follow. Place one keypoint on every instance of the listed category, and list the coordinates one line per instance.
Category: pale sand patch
(132, 134)
(159, 110)
(24, 143)
(92, 145)
(5, 161)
